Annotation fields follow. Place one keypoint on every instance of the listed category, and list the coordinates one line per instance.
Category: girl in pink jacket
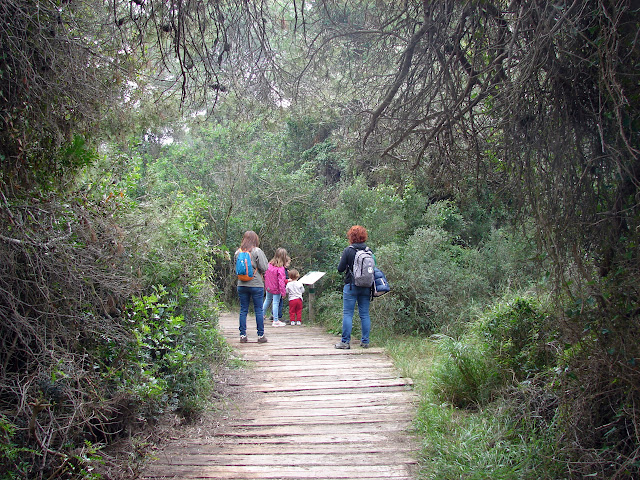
(275, 284)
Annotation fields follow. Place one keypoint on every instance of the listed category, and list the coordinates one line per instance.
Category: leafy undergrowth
(466, 443)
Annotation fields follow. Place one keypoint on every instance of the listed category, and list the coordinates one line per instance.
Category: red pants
(295, 310)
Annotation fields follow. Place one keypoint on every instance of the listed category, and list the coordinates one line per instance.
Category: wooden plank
(283, 472)
(194, 447)
(343, 439)
(292, 394)
(345, 430)
(287, 377)
(328, 353)
(394, 418)
(325, 371)
(288, 458)
(386, 397)
(328, 385)
(300, 409)
(330, 410)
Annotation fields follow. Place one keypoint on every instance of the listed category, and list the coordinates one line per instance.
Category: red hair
(357, 234)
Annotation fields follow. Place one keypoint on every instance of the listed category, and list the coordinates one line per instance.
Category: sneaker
(342, 346)
(243, 339)
(262, 339)
(298, 323)
(364, 345)
(278, 323)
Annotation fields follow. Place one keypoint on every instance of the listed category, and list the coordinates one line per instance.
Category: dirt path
(301, 410)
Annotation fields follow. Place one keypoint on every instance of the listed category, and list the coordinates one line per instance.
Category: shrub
(462, 372)
(520, 335)
(173, 354)
(378, 209)
(437, 280)
(328, 310)
(434, 280)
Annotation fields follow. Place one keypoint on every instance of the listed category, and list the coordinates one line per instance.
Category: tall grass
(489, 441)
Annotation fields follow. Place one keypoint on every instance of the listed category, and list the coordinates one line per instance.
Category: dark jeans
(246, 294)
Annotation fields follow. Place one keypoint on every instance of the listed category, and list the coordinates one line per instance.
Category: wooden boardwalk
(302, 410)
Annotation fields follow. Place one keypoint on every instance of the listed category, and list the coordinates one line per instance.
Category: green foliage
(511, 437)
(82, 463)
(306, 133)
(176, 251)
(520, 335)
(463, 374)
(76, 154)
(170, 357)
(11, 466)
(327, 161)
(243, 176)
(434, 280)
(378, 209)
(445, 215)
(414, 204)
(328, 309)
(482, 445)
(46, 116)
(438, 280)
(511, 341)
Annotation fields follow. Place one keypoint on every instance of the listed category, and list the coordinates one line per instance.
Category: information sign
(311, 277)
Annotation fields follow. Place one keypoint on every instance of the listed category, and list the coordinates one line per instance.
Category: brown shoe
(262, 339)
(243, 339)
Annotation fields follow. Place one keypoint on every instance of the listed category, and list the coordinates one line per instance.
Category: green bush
(174, 353)
(437, 279)
(462, 372)
(508, 261)
(511, 341)
(520, 335)
(434, 280)
(328, 310)
(378, 209)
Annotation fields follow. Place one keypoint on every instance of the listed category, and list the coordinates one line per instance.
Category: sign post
(310, 279)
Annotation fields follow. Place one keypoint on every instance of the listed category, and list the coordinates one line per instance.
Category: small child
(295, 289)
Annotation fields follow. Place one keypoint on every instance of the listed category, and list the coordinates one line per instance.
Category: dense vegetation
(490, 148)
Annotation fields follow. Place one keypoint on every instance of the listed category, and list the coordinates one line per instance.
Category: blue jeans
(246, 294)
(273, 298)
(350, 296)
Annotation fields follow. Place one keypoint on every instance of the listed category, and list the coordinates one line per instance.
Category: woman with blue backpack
(358, 265)
(251, 265)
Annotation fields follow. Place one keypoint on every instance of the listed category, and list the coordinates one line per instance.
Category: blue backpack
(380, 283)
(244, 269)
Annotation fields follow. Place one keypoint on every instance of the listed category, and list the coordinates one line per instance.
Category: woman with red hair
(353, 294)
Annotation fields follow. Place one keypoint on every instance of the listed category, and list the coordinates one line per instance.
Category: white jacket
(295, 289)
